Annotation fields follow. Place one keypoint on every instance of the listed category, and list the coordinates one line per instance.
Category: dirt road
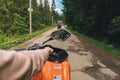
(87, 61)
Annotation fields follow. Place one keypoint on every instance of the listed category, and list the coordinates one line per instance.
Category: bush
(7, 42)
(114, 31)
(19, 25)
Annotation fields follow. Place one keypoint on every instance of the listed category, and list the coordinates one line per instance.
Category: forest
(14, 16)
(15, 20)
(98, 19)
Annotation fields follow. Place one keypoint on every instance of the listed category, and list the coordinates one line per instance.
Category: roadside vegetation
(97, 19)
(108, 47)
(14, 20)
(7, 42)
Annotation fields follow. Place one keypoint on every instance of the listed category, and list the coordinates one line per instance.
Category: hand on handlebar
(56, 54)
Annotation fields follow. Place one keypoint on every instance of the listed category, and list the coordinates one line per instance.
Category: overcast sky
(59, 5)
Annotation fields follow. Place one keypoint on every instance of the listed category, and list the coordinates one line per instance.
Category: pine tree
(47, 13)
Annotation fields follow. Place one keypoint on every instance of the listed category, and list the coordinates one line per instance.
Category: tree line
(99, 19)
(14, 16)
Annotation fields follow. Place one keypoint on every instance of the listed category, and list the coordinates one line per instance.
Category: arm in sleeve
(21, 65)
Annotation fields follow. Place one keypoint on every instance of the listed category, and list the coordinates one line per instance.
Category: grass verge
(109, 47)
(9, 42)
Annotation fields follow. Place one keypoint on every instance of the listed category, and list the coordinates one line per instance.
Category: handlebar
(58, 54)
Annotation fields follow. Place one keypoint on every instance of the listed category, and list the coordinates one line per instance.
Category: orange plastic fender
(54, 71)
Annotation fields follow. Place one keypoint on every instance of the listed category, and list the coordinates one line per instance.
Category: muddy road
(87, 61)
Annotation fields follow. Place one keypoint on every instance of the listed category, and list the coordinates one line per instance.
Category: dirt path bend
(87, 61)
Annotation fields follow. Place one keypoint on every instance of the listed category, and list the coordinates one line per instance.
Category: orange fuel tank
(54, 71)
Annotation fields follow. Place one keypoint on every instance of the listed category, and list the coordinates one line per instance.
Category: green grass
(8, 42)
(109, 47)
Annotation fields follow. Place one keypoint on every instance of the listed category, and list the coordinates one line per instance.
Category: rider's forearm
(21, 65)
